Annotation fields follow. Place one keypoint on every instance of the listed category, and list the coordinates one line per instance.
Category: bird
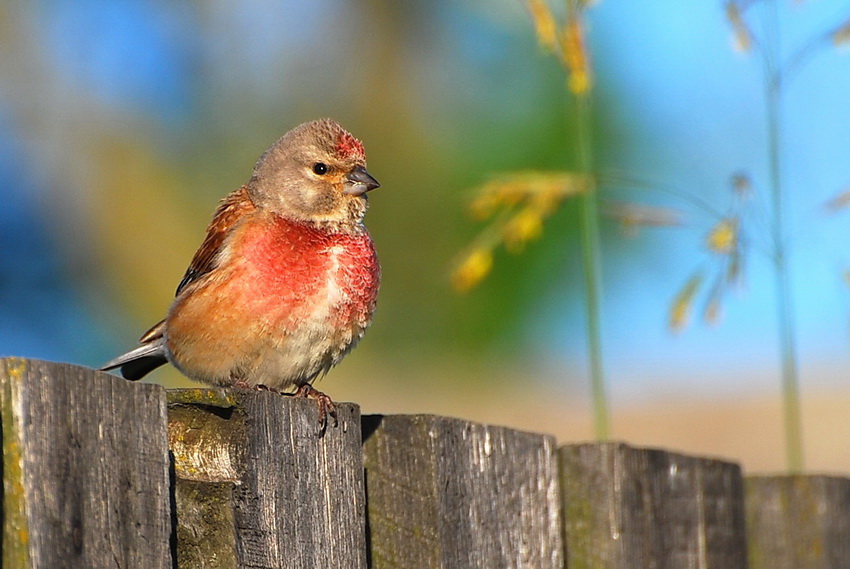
(286, 279)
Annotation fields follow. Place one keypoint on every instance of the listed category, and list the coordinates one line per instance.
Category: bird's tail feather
(137, 363)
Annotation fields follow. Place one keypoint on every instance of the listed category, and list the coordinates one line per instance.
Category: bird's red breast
(288, 271)
(285, 303)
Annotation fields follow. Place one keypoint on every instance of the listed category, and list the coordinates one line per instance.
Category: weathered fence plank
(259, 485)
(629, 507)
(85, 469)
(254, 483)
(798, 521)
(446, 493)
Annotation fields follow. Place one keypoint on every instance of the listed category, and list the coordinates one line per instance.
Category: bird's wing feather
(235, 205)
(155, 332)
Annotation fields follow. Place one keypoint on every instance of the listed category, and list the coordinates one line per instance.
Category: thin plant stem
(590, 254)
(785, 309)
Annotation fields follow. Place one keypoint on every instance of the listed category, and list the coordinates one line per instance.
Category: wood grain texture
(630, 507)
(798, 521)
(85, 469)
(257, 463)
(446, 493)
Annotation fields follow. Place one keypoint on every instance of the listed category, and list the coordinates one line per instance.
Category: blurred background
(122, 123)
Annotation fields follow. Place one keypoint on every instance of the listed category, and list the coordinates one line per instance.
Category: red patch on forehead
(349, 147)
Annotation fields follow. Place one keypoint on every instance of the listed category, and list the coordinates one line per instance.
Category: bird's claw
(323, 401)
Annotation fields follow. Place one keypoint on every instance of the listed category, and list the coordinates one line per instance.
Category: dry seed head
(545, 26)
(838, 202)
(723, 237)
(841, 36)
(551, 189)
(680, 310)
(711, 315)
(575, 57)
(544, 190)
(522, 228)
(741, 37)
(632, 216)
(483, 206)
(741, 185)
(504, 192)
(735, 270)
(472, 269)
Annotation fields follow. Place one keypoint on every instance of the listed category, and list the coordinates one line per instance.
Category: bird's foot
(324, 402)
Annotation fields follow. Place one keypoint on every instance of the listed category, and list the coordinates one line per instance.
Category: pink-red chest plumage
(287, 302)
(294, 272)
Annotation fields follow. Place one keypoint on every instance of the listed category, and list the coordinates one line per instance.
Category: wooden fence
(99, 472)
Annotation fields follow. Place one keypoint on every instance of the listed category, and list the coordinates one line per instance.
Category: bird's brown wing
(235, 205)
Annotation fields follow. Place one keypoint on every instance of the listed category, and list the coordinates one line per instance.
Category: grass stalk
(784, 297)
(591, 269)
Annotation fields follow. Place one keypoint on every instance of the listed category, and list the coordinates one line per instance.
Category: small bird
(285, 282)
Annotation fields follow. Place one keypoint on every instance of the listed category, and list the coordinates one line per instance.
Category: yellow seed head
(723, 237)
(575, 57)
(579, 82)
(495, 194)
(680, 310)
(545, 26)
(472, 270)
(522, 228)
(542, 190)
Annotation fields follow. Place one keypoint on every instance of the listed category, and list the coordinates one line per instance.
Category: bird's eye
(320, 168)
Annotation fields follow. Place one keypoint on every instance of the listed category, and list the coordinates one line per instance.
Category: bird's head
(315, 173)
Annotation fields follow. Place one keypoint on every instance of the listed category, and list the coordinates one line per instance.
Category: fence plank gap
(258, 482)
(632, 507)
(446, 493)
(798, 521)
(85, 469)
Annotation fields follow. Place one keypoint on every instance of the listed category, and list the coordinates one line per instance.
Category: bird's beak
(358, 182)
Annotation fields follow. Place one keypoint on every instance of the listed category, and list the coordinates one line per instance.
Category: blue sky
(700, 104)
